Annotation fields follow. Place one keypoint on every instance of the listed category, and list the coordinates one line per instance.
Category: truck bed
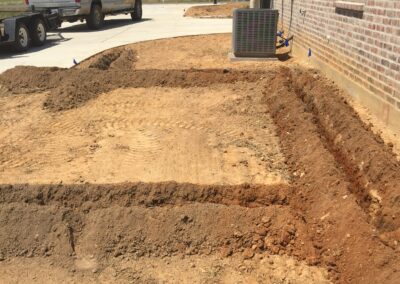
(11, 8)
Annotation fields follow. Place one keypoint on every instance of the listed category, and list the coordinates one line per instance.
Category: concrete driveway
(75, 41)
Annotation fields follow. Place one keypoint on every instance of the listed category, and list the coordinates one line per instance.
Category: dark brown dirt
(146, 194)
(70, 88)
(153, 219)
(370, 165)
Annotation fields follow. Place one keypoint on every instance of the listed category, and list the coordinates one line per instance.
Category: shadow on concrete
(53, 38)
(56, 37)
(108, 24)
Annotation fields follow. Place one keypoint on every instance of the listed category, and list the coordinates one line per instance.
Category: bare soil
(191, 169)
(215, 11)
(175, 269)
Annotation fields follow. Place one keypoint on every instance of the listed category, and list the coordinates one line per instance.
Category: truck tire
(95, 20)
(136, 15)
(22, 39)
(38, 32)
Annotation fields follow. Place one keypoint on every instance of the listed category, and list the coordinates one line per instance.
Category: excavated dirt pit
(131, 168)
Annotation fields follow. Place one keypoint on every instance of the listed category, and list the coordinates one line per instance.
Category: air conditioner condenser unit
(254, 32)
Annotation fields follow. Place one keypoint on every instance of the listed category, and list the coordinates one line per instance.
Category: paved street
(75, 41)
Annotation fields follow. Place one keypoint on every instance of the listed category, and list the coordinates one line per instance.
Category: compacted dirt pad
(275, 177)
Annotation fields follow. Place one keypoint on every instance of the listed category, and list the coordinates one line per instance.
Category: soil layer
(272, 166)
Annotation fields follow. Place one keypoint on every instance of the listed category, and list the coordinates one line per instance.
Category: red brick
(368, 50)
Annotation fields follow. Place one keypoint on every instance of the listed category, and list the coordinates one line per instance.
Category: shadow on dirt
(284, 56)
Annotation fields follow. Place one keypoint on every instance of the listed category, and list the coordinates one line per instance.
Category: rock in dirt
(248, 253)
(226, 251)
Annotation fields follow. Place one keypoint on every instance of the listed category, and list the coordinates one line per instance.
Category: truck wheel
(137, 12)
(95, 20)
(38, 32)
(22, 40)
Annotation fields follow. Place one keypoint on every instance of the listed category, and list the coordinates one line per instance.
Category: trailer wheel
(38, 32)
(95, 20)
(137, 12)
(22, 40)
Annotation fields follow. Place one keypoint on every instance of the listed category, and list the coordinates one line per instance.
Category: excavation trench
(370, 165)
(325, 186)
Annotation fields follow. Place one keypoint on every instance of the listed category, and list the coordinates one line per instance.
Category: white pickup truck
(93, 11)
(25, 22)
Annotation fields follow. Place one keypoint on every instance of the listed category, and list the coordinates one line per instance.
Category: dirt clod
(248, 253)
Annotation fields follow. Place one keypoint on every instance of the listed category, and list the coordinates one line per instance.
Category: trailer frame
(29, 28)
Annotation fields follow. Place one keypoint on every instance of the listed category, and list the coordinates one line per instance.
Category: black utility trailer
(22, 28)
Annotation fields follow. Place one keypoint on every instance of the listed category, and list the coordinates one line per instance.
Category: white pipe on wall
(255, 4)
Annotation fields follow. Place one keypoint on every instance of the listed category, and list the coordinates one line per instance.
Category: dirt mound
(70, 88)
(146, 194)
(64, 220)
(215, 11)
(122, 58)
(35, 79)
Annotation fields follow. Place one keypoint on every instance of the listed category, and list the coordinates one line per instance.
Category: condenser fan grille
(254, 32)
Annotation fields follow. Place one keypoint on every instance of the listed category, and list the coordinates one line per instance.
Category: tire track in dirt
(17, 157)
(140, 147)
(193, 127)
(3, 90)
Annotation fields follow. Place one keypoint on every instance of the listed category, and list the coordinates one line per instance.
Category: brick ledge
(355, 6)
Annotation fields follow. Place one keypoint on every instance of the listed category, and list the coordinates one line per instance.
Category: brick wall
(366, 49)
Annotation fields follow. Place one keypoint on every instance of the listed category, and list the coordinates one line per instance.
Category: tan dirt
(190, 269)
(215, 11)
(276, 179)
(153, 134)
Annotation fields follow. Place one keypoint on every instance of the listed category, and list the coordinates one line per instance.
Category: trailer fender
(9, 29)
(10, 24)
(51, 21)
